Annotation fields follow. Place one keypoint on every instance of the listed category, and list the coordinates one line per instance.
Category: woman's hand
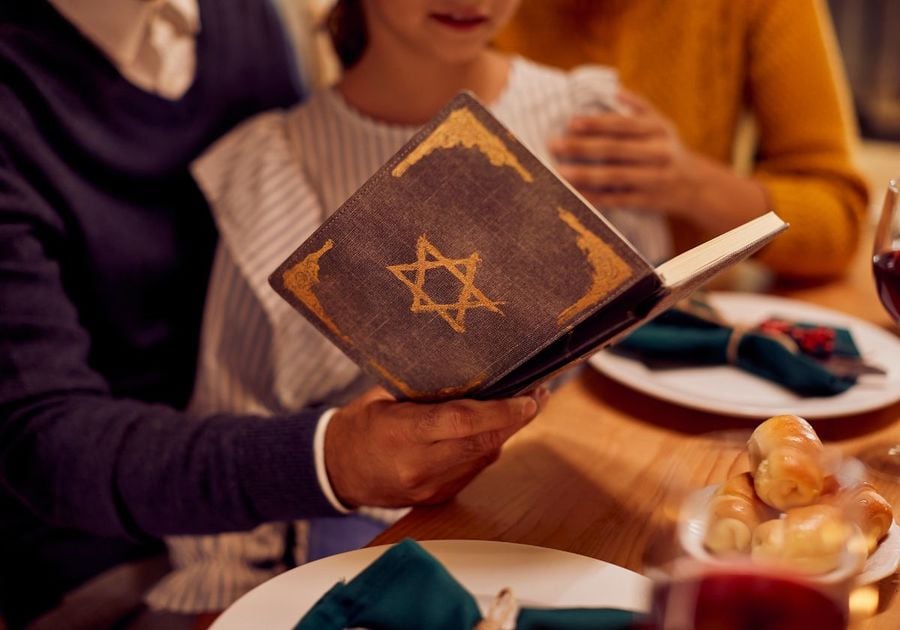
(636, 160)
(628, 160)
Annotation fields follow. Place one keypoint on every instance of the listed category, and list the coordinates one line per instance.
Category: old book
(465, 267)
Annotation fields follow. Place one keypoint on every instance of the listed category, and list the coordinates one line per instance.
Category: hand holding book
(380, 452)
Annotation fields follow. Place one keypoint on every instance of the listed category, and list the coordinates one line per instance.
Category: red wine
(744, 601)
(887, 279)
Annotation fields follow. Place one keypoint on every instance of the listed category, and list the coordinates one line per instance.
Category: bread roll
(865, 508)
(734, 512)
(812, 539)
(768, 540)
(786, 462)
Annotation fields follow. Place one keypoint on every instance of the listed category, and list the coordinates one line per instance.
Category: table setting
(599, 513)
(764, 376)
(461, 575)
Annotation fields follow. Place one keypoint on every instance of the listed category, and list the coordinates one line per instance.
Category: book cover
(466, 268)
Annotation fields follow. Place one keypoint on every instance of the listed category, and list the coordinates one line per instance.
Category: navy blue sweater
(105, 249)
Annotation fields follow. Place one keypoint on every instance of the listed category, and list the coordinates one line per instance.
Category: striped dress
(271, 182)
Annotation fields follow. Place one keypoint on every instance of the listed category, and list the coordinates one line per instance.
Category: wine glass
(884, 459)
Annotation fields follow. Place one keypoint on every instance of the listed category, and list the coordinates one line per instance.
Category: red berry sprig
(817, 341)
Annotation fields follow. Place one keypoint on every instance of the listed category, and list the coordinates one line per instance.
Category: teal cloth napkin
(678, 338)
(405, 588)
(408, 588)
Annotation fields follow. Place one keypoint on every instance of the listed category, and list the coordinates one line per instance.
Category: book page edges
(699, 264)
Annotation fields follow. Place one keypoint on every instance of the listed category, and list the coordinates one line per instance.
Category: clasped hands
(632, 159)
(380, 452)
(636, 160)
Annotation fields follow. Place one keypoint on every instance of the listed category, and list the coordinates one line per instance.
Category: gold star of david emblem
(463, 269)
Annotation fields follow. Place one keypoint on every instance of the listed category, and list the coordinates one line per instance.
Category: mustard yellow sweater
(704, 62)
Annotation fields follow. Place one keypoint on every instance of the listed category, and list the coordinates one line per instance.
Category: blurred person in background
(106, 245)
(693, 69)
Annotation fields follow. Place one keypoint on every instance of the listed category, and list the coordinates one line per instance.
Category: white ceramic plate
(536, 575)
(692, 529)
(730, 391)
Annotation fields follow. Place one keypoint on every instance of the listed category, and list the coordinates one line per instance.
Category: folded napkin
(407, 588)
(680, 338)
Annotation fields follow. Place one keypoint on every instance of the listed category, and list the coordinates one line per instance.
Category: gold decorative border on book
(401, 386)
(608, 269)
(409, 392)
(454, 392)
(462, 128)
(300, 280)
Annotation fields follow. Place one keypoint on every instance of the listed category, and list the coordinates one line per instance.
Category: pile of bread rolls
(790, 508)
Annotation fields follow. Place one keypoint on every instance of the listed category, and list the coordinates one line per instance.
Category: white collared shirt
(151, 42)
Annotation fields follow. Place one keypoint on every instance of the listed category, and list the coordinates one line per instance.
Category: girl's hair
(346, 24)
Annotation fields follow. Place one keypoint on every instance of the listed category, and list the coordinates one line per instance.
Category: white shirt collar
(122, 29)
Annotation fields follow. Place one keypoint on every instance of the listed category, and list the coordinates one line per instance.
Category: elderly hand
(380, 452)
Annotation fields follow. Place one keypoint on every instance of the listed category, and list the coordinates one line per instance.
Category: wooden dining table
(590, 474)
